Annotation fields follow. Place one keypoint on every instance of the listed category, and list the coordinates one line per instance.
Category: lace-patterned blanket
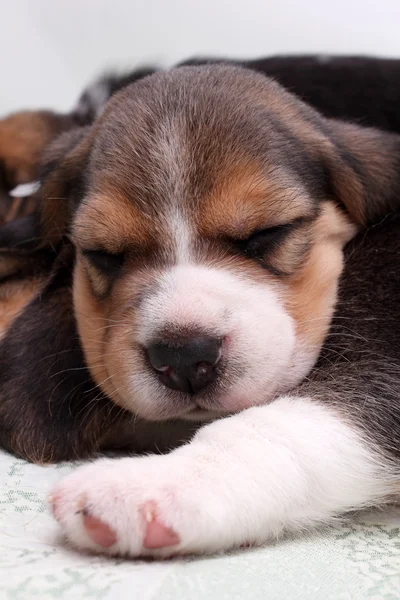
(353, 561)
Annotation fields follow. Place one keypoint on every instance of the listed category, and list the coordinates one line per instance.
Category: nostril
(188, 365)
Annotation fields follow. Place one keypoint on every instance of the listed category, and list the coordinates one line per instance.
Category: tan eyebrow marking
(245, 199)
(112, 222)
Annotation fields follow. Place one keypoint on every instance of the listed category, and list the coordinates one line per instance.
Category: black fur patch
(50, 408)
(359, 368)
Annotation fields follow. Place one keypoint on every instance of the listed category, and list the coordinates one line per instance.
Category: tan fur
(157, 177)
(106, 328)
(106, 350)
(91, 322)
(247, 197)
(23, 137)
(119, 224)
(310, 296)
(19, 207)
(14, 296)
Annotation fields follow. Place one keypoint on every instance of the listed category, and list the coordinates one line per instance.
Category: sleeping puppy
(209, 235)
(207, 244)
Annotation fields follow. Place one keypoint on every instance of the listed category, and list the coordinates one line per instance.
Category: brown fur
(235, 169)
(91, 326)
(120, 224)
(23, 137)
(14, 297)
(244, 198)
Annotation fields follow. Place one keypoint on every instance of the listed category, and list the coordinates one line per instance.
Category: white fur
(171, 157)
(243, 479)
(182, 237)
(260, 348)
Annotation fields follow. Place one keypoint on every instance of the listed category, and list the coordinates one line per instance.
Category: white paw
(151, 506)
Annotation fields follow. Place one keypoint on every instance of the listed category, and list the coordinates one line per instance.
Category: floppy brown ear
(364, 171)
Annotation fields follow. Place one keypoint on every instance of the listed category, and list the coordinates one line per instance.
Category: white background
(50, 49)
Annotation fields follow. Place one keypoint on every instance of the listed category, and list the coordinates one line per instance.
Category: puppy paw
(152, 506)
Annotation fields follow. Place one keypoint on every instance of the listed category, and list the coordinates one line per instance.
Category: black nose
(188, 365)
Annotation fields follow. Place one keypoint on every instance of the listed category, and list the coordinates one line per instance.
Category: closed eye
(105, 262)
(261, 242)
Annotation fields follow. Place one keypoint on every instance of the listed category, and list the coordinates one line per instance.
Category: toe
(99, 532)
(157, 535)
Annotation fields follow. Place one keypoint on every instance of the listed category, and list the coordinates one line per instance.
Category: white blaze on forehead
(172, 161)
(181, 234)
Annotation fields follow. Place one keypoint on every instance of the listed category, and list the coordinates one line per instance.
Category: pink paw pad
(157, 535)
(99, 532)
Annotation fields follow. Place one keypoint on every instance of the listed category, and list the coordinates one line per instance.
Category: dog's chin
(202, 415)
(194, 415)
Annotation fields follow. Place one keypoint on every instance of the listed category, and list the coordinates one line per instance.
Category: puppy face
(208, 252)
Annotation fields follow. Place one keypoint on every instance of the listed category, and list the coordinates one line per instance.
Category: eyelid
(281, 229)
(103, 260)
(265, 240)
(284, 227)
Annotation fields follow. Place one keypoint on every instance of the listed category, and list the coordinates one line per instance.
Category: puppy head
(209, 209)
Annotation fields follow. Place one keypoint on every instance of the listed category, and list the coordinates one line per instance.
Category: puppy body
(317, 456)
(323, 450)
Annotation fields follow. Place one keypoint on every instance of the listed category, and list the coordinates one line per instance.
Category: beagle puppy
(199, 228)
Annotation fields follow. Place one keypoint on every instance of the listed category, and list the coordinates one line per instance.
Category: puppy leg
(245, 479)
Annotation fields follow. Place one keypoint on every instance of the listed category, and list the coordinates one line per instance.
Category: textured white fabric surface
(356, 560)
